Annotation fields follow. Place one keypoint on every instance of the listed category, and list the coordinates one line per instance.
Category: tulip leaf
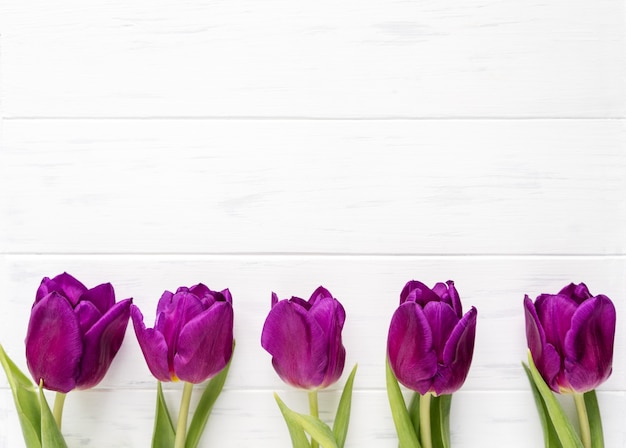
(562, 426)
(298, 437)
(316, 428)
(414, 412)
(51, 436)
(342, 418)
(550, 438)
(401, 418)
(440, 420)
(595, 422)
(164, 434)
(26, 400)
(205, 406)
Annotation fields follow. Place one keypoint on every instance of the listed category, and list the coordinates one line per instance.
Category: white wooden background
(278, 145)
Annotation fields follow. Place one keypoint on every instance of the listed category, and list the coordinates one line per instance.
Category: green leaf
(317, 429)
(205, 406)
(440, 420)
(51, 436)
(164, 434)
(404, 427)
(26, 400)
(414, 413)
(550, 438)
(563, 427)
(298, 437)
(342, 418)
(595, 422)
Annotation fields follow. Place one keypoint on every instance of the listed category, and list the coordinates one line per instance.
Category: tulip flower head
(74, 333)
(431, 343)
(304, 339)
(570, 336)
(192, 338)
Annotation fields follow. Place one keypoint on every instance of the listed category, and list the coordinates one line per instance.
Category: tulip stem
(314, 410)
(57, 409)
(181, 428)
(426, 437)
(583, 420)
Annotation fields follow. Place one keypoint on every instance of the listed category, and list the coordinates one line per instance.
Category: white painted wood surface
(279, 145)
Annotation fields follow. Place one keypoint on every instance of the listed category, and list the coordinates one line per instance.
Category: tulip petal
(102, 296)
(330, 315)
(296, 342)
(442, 320)
(545, 356)
(589, 344)
(53, 343)
(555, 314)
(182, 307)
(418, 292)
(578, 293)
(410, 348)
(205, 344)
(320, 293)
(101, 344)
(64, 284)
(87, 315)
(152, 345)
(457, 355)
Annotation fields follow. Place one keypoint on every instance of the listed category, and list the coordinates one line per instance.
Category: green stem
(583, 420)
(314, 410)
(181, 428)
(426, 438)
(57, 410)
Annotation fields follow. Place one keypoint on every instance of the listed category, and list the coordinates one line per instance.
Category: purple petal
(410, 348)
(64, 284)
(546, 358)
(274, 299)
(296, 343)
(455, 299)
(330, 315)
(418, 292)
(102, 343)
(578, 293)
(102, 296)
(164, 302)
(183, 307)
(152, 345)
(53, 343)
(87, 315)
(457, 355)
(200, 290)
(555, 314)
(589, 344)
(205, 344)
(320, 293)
(442, 320)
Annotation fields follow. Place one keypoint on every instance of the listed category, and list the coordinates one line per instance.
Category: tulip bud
(192, 338)
(570, 336)
(304, 339)
(74, 333)
(431, 343)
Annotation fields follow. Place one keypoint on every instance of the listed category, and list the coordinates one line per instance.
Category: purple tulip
(431, 343)
(192, 338)
(74, 333)
(570, 336)
(304, 339)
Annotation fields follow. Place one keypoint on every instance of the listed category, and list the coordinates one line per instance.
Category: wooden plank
(368, 286)
(373, 58)
(123, 418)
(315, 186)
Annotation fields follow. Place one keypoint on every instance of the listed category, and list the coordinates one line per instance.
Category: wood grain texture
(373, 58)
(284, 186)
(280, 145)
